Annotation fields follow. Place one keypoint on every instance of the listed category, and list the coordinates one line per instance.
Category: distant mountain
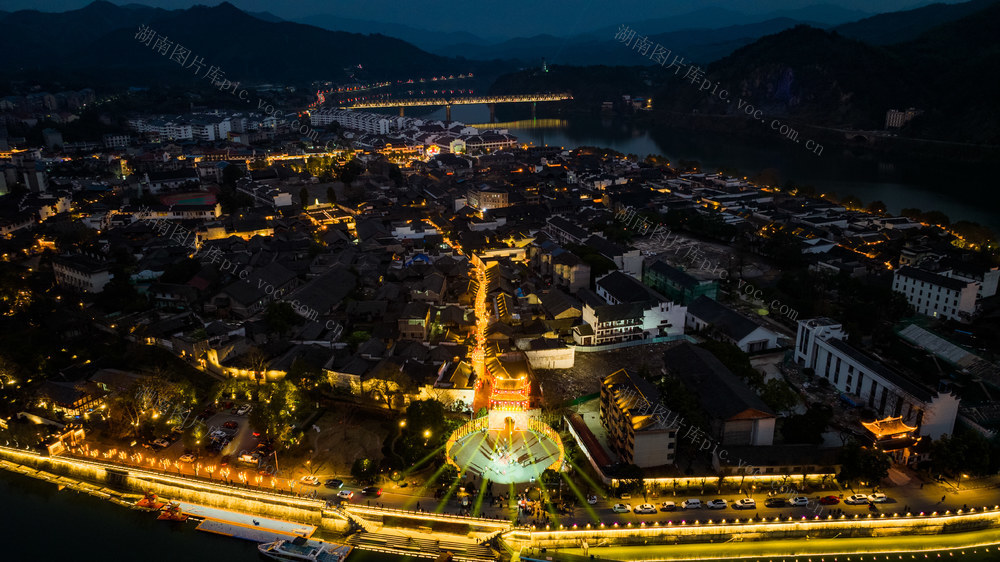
(823, 78)
(33, 36)
(826, 14)
(427, 40)
(99, 40)
(266, 16)
(820, 15)
(897, 27)
(701, 44)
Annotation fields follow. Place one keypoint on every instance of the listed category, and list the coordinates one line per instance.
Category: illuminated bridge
(491, 101)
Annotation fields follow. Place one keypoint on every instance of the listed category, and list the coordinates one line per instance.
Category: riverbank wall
(681, 532)
(129, 480)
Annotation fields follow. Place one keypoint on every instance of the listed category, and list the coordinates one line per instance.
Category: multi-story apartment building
(117, 141)
(81, 273)
(639, 429)
(484, 197)
(564, 231)
(936, 295)
(987, 276)
(865, 381)
(895, 118)
(356, 120)
(565, 267)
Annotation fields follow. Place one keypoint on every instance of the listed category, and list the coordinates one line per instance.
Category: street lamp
(427, 436)
(959, 485)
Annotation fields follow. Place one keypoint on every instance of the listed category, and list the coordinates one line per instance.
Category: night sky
(516, 18)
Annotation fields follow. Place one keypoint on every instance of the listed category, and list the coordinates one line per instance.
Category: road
(912, 497)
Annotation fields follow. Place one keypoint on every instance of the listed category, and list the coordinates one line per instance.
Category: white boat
(302, 550)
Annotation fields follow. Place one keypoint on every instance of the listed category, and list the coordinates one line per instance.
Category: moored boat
(173, 513)
(149, 502)
(302, 550)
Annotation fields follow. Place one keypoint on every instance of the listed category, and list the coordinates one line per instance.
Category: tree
(257, 364)
(331, 195)
(388, 384)
(965, 452)
(350, 171)
(275, 410)
(357, 338)
(364, 470)
(807, 427)
(304, 197)
(396, 175)
(630, 479)
(877, 207)
(779, 395)
(860, 463)
(422, 415)
(304, 375)
(851, 202)
(280, 317)
(735, 360)
(231, 173)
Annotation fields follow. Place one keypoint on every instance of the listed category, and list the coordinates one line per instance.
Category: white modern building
(623, 309)
(986, 277)
(81, 273)
(820, 345)
(356, 120)
(936, 295)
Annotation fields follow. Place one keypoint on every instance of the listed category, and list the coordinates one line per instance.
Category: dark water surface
(963, 192)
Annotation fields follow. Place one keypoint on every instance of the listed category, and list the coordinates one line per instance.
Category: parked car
(625, 496)
(231, 425)
(878, 498)
(774, 502)
(692, 503)
(187, 458)
(668, 506)
(372, 491)
(345, 494)
(799, 501)
(309, 480)
(161, 443)
(592, 500)
(745, 503)
(224, 461)
(177, 430)
(244, 410)
(829, 500)
(621, 508)
(717, 504)
(646, 508)
(334, 483)
(856, 499)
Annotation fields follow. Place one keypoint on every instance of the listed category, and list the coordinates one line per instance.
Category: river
(44, 523)
(963, 192)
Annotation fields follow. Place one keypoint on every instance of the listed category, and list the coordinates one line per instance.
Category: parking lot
(237, 439)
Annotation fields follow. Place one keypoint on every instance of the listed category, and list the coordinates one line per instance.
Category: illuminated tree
(364, 470)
